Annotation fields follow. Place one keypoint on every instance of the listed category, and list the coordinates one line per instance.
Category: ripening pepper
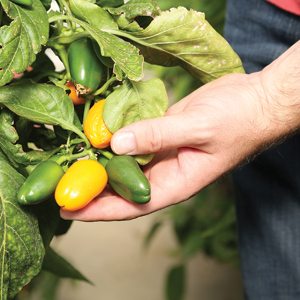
(74, 96)
(95, 128)
(41, 183)
(85, 67)
(127, 179)
(82, 182)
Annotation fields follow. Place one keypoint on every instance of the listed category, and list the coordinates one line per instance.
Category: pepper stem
(69, 157)
(105, 86)
(106, 153)
(87, 106)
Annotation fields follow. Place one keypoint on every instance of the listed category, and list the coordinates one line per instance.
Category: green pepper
(127, 179)
(86, 69)
(41, 183)
(103, 161)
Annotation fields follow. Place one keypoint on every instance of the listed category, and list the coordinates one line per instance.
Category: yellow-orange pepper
(95, 128)
(82, 182)
(74, 96)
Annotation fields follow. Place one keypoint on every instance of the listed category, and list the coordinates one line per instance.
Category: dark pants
(268, 189)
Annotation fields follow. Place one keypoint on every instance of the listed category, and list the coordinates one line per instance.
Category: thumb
(153, 135)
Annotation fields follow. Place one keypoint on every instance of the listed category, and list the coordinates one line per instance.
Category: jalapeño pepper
(41, 183)
(127, 179)
(86, 69)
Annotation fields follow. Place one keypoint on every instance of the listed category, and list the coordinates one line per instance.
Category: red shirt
(292, 6)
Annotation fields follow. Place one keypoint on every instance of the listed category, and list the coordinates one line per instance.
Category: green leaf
(41, 103)
(21, 246)
(135, 14)
(127, 25)
(92, 14)
(8, 132)
(45, 286)
(136, 8)
(125, 56)
(224, 246)
(13, 151)
(110, 3)
(214, 10)
(175, 285)
(48, 217)
(22, 39)
(192, 244)
(41, 66)
(135, 101)
(183, 37)
(59, 266)
(17, 156)
(63, 226)
(47, 4)
(152, 232)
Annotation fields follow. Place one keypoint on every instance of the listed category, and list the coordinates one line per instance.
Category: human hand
(200, 138)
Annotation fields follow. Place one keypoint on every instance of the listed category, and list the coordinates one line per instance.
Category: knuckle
(155, 138)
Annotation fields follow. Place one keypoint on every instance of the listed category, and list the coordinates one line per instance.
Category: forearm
(281, 88)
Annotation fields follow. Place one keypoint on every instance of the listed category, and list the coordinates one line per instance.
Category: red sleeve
(292, 6)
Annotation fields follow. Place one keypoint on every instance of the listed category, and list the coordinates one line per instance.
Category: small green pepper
(85, 67)
(103, 161)
(127, 179)
(41, 183)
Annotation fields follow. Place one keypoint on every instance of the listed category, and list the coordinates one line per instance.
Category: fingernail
(124, 143)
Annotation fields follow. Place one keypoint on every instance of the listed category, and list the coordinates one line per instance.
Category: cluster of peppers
(75, 186)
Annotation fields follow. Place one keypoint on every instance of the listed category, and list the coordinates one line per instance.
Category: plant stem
(67, 39)
(71, 157)
(47, 74)
(64, 58)
(65, 7)
(106, 153)
(81, 135)
(76, 141)
(87, 106)
(105, 86)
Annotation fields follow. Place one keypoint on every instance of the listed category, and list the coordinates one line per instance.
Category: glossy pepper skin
(82, 182)
(85, 67)
(95, 128)
(127, 179)
(41, 183)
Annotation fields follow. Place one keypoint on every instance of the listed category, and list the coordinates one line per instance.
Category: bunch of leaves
(180, 82)
(39, 122)
(205, 224)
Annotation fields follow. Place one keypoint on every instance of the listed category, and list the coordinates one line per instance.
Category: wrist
(279, 89)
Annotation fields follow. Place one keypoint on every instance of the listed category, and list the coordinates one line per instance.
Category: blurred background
(186, 252)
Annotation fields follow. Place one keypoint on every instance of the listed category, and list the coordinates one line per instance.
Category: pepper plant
(45, 114)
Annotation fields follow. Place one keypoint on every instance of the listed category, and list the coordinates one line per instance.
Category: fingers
(110, 207)
(179, 186)
(155, 135)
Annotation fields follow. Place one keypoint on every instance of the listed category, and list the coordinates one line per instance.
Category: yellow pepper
(82, 182)
(95, 128)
